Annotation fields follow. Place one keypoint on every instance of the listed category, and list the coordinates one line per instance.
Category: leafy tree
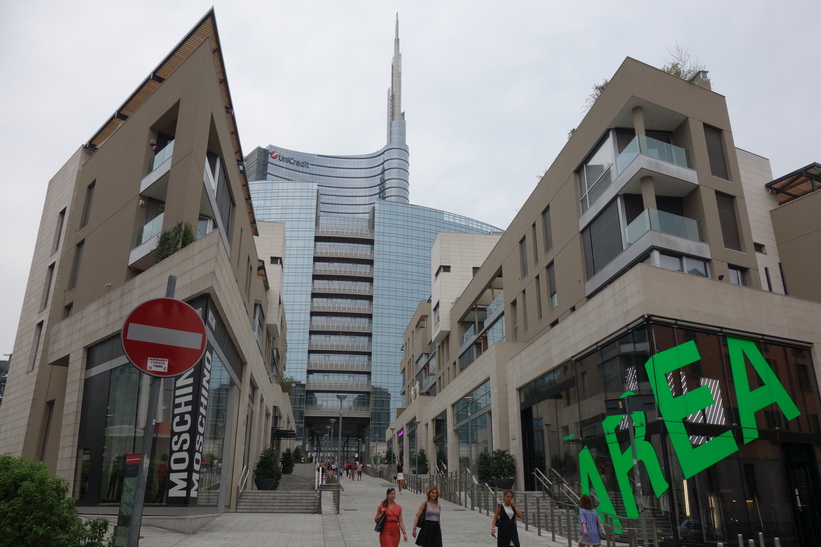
(35, 508)
(171, 241)
(503, 464)
(267, 466)
(484, 467)
(297, 454)
(682, 65)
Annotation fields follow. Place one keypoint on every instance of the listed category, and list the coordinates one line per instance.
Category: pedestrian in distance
(389, 536)
(505, 517)
(400, 476)
(359, 466)
(429, 521)
(591, 529)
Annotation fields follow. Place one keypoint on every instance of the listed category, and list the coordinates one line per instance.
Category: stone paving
(353, 526)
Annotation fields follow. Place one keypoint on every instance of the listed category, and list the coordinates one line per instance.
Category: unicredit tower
(356, 264)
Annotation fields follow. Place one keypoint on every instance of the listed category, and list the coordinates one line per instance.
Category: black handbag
(380, 524)
(421, 519)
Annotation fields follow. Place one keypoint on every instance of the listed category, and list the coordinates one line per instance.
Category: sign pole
(148, 438)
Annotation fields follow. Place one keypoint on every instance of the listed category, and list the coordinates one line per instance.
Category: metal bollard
(525, 513)
(751, 543)
(552, 520)
(538, 518)
(777, 542)
(569, 538)
(761, 539)
(740, 540)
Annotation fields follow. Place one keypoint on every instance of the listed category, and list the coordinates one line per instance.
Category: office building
(356, 265)
(643, 268)
(167, 162)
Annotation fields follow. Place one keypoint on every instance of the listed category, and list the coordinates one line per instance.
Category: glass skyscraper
(356, 265)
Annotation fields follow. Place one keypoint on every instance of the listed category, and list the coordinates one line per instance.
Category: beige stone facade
(169, 155)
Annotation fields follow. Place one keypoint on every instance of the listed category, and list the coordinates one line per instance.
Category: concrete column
(648, 193)
(638, 120)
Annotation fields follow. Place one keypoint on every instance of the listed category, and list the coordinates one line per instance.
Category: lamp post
(339, 448)
(393, 453)
(330, 437)
(469, 400)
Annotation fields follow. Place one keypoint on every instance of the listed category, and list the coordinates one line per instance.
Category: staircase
(295, 494)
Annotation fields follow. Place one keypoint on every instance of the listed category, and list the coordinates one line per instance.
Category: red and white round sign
(164, 337)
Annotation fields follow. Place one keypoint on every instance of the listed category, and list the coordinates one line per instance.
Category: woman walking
(505, 516)
(389, 536)
(590, 527)
(429, 521)
(400, 477)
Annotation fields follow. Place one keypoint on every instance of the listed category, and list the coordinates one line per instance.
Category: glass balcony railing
(498, 301)
(655, 149)
(161, 156)
(666, 223)
(151, 228)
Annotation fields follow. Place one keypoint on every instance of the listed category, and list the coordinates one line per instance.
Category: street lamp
(339, 448)
(330, 438)
(469, 400)
(393, 453)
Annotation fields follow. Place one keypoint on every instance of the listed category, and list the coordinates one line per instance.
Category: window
(548, 232)
(585, 381)
(514, 316)
(523, 255)
(533, 240)
(258, 325)
(524, 309)
(35, 344)
(760, 248)
(75, 268)
(596, 174)
(602, 239)
(87, 204)
(715, 152)
(738, 276)
(276, 260)
(475, 270)
(58, 230)
(538, 297)
(686, 264)
(47, 287)
(551, 286)
(441, 269)
(729, 225)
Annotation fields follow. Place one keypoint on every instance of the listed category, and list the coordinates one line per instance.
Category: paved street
(353, 526)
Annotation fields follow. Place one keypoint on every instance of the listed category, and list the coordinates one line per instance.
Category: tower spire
(395, 92)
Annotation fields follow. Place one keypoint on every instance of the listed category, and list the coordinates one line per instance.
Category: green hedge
(35, 509)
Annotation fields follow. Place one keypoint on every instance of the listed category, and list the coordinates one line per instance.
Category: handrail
(565, 488)
(471, 475)
(243, 478)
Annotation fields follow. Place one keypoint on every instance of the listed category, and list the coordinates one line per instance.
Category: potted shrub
(422, 462)
(266, 471)
(484, 468)
(287, 462)
(297, 455)
(504, 469)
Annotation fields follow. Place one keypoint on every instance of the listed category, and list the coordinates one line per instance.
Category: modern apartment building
(168, 159)
(643, 265)
(356, 265)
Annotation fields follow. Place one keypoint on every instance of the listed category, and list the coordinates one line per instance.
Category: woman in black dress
(429, 521)
(505, 516)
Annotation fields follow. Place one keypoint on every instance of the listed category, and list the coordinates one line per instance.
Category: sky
(490, 90)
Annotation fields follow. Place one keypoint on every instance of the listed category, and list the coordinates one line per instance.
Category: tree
(503, 464)
(682, 65)
(35, 508)
(174, 239)
(286, 383)
(484, 467)
(598, 89)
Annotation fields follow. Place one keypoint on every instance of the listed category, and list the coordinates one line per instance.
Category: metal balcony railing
(338, 346)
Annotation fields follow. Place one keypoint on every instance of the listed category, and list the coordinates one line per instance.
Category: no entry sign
(164, 337)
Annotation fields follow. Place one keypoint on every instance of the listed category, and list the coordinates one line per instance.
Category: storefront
(191, 451)
(730, 443)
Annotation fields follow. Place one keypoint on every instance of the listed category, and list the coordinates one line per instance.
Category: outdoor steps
(278, 501)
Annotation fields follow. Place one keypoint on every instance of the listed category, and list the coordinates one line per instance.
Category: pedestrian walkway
(352, 527)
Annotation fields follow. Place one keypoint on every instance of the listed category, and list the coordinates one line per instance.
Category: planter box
(503, 484)
(266, 483)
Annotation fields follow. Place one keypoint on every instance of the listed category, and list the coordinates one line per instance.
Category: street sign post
(164, 337)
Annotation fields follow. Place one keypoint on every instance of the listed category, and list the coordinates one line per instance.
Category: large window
(548, 230)
(551, 285)
(87, 204)
(602, 239)
(729, 224)
(523, 256)
(596, 173)
(75, 267)
(715, 152)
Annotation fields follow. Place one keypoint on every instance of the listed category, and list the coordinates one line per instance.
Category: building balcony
(319, 385)
(158, 171)
(317, 411)
(669, 166)
(318, 325)
(342, 232)
(341, 308)
(339, 346)
(666, 223)
(341, 288)
(338, 366)
(140, 257)
(336, 252)
(321, 270)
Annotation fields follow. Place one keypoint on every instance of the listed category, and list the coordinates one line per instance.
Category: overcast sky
(490, 89)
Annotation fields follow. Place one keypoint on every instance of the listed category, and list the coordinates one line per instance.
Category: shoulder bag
(380, 524)
(421, 518)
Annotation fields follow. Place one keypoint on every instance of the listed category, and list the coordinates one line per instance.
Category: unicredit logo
(275, 156)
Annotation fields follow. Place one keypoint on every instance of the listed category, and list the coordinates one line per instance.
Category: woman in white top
(505, 516)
